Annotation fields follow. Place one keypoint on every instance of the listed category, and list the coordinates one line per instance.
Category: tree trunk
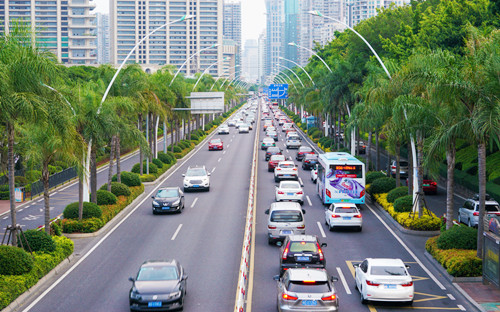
(398, 166)
(339, 135)
(80, 195)
(111, 157)
(481, 168)
(118, 164)
(410, 169)
(369, 151)
(377, 148)
(189, 128)
(46, 198)
(450, 184)
(93, 174)
(420, 171)
(141, 152)
(10, 143)
(172, 135)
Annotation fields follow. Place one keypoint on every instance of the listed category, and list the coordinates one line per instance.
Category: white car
(239, 124)
(293, 142)
(286, 126)
(231, 123)
(286, 170)
(244, 128)
(384, 280)
(196, 178)
(224, 129)
(314, 174)
(343, 215)
(289, 191)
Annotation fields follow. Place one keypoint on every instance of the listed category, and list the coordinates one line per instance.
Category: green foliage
(458, 237)
(33, 175)
(373, 175)
(403, 203)
(311, 130)
(493, 167)
(382, 185)
(118, 189)
(105, 198)
(55, 229)
(152, 168)
(14, 261)
(61, 164)
(457, 262)
(129, 178)
(84, 226)
(37, 240)
(158, 163)
(90, 210)
(136, 168)
(54, 169)
(148, 178)
(397, 193)
(194, 137)
(165, 158)
(177, 149)
(20, 181)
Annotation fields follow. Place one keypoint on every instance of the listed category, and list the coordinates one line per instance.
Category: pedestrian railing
(54, 180)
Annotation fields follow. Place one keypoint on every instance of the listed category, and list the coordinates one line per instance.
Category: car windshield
(286, 216)
(166, 193)
(346, 210)
(403, 164)
(388, 270)
(268, 140)
(289, 185)
(196, 172)
(287, 166)
(308, 287)
(293, 138)
(158, 273)
(303, 247)
(216, 141)
(493, 208)
(305, 149)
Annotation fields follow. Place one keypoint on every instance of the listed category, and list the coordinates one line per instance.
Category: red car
(273, 162)
(215, 145)
(429, 186)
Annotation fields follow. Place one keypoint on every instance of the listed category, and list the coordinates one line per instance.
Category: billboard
(278, 91)
(207, 102)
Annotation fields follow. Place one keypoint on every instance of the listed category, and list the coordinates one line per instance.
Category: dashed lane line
(461, 307)
(176, 232)
(194, 202)
(224, 152)
(451, 297)
(213, 170)
(309, 200)
(321, 229)
(300, 181)
(344, 282)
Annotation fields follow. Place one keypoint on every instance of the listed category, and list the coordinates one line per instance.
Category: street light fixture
(296, 76)
(297, 64)
(206, 70)
(314, 53)
(187, 60)
(293, 83)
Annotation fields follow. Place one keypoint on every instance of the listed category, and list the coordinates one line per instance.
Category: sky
(252, 14)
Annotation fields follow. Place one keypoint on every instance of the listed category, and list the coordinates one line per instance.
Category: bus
(341, 179)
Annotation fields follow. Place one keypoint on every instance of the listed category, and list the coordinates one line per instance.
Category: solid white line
(408, 250)
(19, 210)
(54, 193)
(308, 200)
(451, 297)
(219, 159)
(213, 170)
(194, 202)
(301, 182)
(461, 307)
(344, 282)
(321, 229)
(176, 232)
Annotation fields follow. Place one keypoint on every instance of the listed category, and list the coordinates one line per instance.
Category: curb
(466, 295)
(450, 278)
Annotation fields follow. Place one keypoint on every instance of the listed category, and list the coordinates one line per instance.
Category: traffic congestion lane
(206, 239)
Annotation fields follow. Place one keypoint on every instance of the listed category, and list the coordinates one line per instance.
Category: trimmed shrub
(184, 145)
(37, 241)
(397, 193)
(14, 261)
(158, 163)
(85, 226)
(33, 175)
(382, 185)
(147, 178)
(129, 179)
(403, 204)
(194, 137)
(164, 158)
(457, 262)
(458, 237)
(177, 149)
(152, 168)
(118, 189)
(136, 168)
(496, 180)
(55, 229)
(173, 160)
(90, 210)
(374, 175)
(105, 198)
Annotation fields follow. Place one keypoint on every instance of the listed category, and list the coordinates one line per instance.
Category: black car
(168, 199)
(272, 150)
(310, 160)
(301, 251)
(160, 285)
(302, 152)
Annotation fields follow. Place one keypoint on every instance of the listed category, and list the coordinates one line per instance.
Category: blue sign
(278, 91)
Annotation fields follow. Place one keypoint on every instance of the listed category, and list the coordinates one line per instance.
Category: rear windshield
(287, 166)
(312, 288)
(403, 163)
(494, 208)
(303, 247)
(278, 157)
(216, 141)
(305, 149)
(273, 149)
(289, 185)
(286, 216)
(293, 137)
(388, 270)
(345, 210)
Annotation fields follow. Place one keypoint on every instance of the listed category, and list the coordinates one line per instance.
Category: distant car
(272, 150)
(215, 145)
(468, 213)
(196, 178)
(272, 134)
(303, 150)
(231, 123)
(286, 126)
(314, 174)
(285, 170)
(429, 185)
(306, 290)
(244, 128)
(285, 218)
(267, 142)
(224, 129)
(289, 191)
(343, 215)
(361, 147)
(160, 285)
(168, 199)
(403, 169)
(384, 280)
(273, 162)
(293, 142)
(310, 160)
(302, 251)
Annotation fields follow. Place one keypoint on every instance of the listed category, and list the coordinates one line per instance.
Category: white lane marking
(5, 218)
(461, 307)
(344, 282)
(308, 200)
(223, 152)
(176, 232)
(219, 159)
(213, 170)
(39, 200)
(451, 296)
(19, 210)
(228, 145)
(194, 202)
(321, 229)
(301, 182)
(54, 193)
(287, 150)
(408, 250)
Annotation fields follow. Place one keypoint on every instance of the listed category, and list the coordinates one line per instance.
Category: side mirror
(183, 175)
(152, 197)
(276, 277)
(184, 277)
(407, 266)
(303, 211)
(324, 244)
(131, 279)
(334, 279)
(267, 211)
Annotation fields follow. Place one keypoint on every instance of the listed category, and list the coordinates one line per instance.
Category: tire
(410, 303)
(469, 223)
(154, 212)
(270, 241)
(360, 229)
(269, 170)
(301, 202)
(362, 299)
(330, 227)
(276, 179)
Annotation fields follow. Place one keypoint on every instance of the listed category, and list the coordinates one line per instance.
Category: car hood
(156, 287)
(166, 199)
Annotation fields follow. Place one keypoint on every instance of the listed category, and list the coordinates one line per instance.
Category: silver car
(306, 290)
(286, 170)
(289, 191)
(403, 169)
(285, 218)
(196, 178)
(293, 142)
(468, 213)
(224, 129)
(244, 128)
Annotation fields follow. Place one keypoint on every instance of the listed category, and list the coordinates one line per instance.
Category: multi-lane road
(207, 238)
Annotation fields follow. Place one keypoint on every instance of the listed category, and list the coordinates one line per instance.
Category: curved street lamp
(296, 76)
(297, 64)
(225, 71)
(293, 83)
(314, 53)
(206, 70)
(187, 60)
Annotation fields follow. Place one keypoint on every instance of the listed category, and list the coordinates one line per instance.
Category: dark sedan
(301, 251)
(160, 285)
(310, 160)
(273, 150)
(303, 150)
(168, 199)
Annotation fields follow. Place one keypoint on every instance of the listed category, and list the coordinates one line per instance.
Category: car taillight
(300, 193)
(288, 297)
(294, 169)
(285, 252)
(393, 167)
(370, 283)
(433, 183)
(321, 256)
(278, 169)
(271, 227)
(357, 216)
(476, 213)
(335, 216)
(407, 284)
(329, 298)
(281, 192)
(301, 227)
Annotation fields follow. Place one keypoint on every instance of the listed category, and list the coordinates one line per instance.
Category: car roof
(168, 188)
(196, 167)
(385, 262)
(286, 206)
(278, 156)
(302, 238)
(306, 274)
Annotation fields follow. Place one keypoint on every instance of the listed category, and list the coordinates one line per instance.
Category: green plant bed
(457, 262)
(118, 189)
(12, 286)
(381, 185)
(148, 178)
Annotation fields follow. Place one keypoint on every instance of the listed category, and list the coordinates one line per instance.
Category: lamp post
(297, 64)
(296, 76)
(187, 60)
(221, 76)
(314, 53)
(293, 83)
(206, 70)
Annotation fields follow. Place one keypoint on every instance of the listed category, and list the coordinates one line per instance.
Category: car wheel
(469, 223)
(360, 229)
(410, 303)
(276, 179)
(362, 298)
(269, 170)
(330, 227)
(208, 189)
(270, 241)
(154, 212)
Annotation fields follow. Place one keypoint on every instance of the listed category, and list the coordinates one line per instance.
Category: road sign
(278, 91)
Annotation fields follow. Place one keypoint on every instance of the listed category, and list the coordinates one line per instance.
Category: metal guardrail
(54, 180)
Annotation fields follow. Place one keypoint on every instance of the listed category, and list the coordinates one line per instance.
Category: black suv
(301, 251)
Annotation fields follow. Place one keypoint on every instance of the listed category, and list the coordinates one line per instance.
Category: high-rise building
(102, 38)
(275, 20)
(251, 60)
(232, 26)
(290, 29)
(262, 52)
(230, 50)
(132, 20)
(363, 9)
(66, 28)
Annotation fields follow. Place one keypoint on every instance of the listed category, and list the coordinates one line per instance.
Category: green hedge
(90, 210)
(397, 193)
(382, 185)
(403, 203)
(118, 189)
(458, 237)
(14, 261)
(373, 175)
(105, 198)
(129, 179)
(37, 241)
(457, 262)
(158, 163)
(148, 178)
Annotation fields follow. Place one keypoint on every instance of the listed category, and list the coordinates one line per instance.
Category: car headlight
(175, 295)
(176, 203)
(155, 203)
(134, 294)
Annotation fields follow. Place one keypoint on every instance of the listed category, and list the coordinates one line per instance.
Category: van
(285, 218)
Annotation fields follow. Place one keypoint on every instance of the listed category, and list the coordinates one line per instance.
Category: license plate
(166, 208)
(390, 286)
(196, 186)
(426, 185)
(303, 258)
(290, 194)
(154, 304)
(346, 218)
(286, 232)
(287, 175)
(309, 302)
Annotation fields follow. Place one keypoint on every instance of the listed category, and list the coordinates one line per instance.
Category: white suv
(468, 213)
(196, 178)
(286, 170)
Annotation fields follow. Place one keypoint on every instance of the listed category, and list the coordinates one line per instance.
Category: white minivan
(285, 218)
